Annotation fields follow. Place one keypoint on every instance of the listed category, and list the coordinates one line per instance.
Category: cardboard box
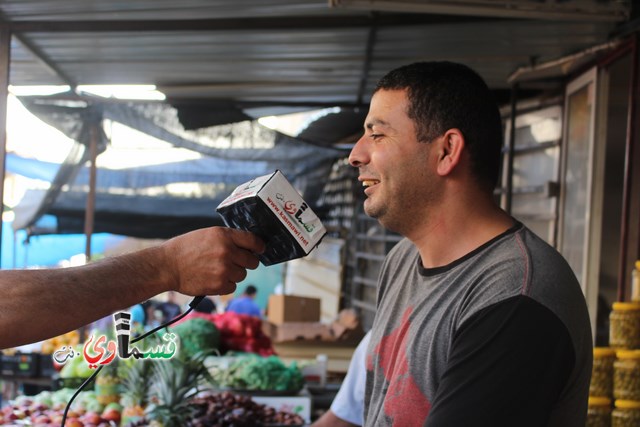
(270, 207)
(297, 331)
(291, 308)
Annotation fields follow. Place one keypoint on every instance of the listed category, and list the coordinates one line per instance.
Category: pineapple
(107, 386)
(175, 382)
(136, 389)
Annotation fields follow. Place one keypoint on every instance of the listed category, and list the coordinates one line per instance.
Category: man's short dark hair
(250, 290)
(445, 95)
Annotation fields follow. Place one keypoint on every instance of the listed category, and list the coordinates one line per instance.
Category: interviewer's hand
(212, 260)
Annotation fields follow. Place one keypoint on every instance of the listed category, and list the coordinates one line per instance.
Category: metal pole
(5, 65)
(628, 173)
(91, 196)
(512, 145)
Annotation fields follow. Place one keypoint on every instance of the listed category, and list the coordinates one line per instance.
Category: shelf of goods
(615, 381)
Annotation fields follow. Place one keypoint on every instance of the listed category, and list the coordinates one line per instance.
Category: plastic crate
(20, 364)
(74, 382)
(46, 366)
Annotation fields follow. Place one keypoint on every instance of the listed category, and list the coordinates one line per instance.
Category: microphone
(271, 208)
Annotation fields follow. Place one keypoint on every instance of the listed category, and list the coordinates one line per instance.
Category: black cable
(83, 385)
(194, 302)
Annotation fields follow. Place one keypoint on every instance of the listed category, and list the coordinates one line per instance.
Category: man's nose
(357, 157)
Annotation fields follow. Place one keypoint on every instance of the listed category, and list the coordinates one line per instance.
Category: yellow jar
(602, 373)
(626, 414)
(624, 325)
(626, 375)
(599, 412)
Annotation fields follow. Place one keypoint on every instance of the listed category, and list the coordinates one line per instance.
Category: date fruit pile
(228, 409)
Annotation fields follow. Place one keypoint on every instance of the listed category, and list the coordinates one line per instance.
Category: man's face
(395, 169)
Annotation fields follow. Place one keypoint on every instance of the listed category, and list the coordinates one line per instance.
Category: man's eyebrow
(370, 124)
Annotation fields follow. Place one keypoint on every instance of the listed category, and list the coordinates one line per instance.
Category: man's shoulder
(403, 248)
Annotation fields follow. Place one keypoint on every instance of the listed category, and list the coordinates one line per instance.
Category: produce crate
(20, 364)
(46, 366)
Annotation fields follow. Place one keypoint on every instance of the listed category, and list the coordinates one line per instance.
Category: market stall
(224, 369)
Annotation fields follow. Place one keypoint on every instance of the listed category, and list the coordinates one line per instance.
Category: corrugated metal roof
(268, 52)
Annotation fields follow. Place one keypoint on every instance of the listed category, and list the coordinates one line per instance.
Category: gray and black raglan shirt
(500, 337)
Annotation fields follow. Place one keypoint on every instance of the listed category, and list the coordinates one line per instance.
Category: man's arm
(38, 304)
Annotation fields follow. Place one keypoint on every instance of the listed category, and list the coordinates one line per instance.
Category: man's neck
(450, 234)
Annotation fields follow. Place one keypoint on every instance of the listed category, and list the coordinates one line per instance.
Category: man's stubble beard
(404, 214)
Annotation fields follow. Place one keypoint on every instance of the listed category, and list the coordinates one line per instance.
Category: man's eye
(375, 136)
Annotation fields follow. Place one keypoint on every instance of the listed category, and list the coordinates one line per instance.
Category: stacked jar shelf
(616, 372)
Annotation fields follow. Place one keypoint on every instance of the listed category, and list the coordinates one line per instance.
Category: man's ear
(450, 151)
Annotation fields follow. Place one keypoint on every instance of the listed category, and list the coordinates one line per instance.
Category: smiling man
(479, 322)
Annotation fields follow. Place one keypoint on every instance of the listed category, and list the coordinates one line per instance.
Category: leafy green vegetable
(253, 372)
(196, 336)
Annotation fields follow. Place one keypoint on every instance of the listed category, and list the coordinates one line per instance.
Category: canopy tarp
(166, 199)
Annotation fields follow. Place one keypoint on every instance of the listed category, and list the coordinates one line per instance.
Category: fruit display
(71, 338)
(166, 392)
(76, 367)
(136, 379)
(47, 408)
(228, 409)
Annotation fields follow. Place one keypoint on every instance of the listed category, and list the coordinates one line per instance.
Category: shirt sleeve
(507, 366)
(349, 401)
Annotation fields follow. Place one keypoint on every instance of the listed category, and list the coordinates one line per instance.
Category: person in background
(169, 308)
(153, 315)
(245, 303)
(206, 306)
(138, 318)
(347, 408)
(478, 321)
(209, 261)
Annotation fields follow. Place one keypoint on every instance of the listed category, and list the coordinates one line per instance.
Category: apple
(111, 414)
(73, 414)
(56, 418)
(41, 419)
(91, 418)
(73, 422)
(19, 414)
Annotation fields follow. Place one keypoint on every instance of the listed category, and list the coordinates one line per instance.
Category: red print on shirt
(404, 403)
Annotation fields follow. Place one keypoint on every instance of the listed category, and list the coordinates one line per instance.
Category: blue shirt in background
(244, 305)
